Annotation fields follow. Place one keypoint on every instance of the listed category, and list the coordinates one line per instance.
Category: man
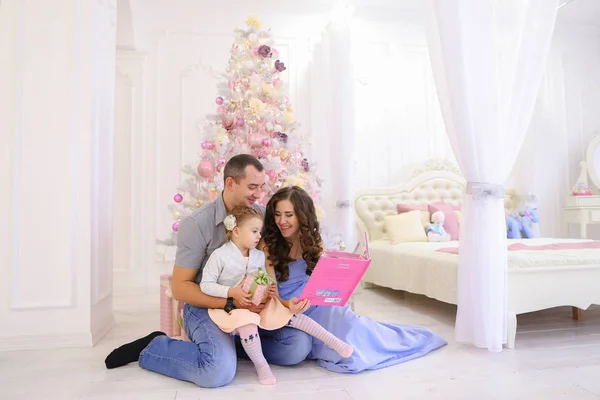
(210, 360)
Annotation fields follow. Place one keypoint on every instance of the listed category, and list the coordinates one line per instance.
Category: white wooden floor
(555, 358)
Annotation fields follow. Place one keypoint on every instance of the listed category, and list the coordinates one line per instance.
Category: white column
(133, 239)
(56, 127)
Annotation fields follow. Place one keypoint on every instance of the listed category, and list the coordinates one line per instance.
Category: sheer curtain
(488, 59)
(333, 122)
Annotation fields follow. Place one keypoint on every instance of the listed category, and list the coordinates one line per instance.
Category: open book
(336, 276)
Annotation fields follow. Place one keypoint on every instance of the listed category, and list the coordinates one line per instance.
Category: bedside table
(582, 210)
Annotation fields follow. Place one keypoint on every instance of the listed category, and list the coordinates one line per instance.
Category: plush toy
(435, 232)
(518, 225)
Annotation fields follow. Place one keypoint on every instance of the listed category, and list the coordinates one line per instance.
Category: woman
(293, 245)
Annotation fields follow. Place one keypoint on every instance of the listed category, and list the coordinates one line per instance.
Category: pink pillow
(451, 220)
(402, 208)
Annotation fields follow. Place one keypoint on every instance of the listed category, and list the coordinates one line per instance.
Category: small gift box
(257, 284)
(171, 311)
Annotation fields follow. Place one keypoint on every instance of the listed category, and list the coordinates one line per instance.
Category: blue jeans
(210, 360)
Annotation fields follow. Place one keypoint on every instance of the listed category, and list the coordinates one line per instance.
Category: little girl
(222, 277)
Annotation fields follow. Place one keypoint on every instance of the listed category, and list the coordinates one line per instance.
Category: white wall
(56, 172)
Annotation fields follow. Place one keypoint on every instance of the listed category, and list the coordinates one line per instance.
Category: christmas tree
(253, 115)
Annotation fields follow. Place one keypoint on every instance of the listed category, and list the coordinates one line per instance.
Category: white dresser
(582, 210)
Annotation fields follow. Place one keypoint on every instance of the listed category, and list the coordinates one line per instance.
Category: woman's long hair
(309, 232)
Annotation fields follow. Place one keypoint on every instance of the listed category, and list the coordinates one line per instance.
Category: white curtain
(488, 59)
(333, 123)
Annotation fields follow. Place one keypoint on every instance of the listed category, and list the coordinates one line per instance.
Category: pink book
(336, 276)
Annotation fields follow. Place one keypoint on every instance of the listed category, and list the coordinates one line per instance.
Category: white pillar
(133, 239)
(56, 160)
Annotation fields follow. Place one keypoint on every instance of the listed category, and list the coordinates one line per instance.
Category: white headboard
(435, 181)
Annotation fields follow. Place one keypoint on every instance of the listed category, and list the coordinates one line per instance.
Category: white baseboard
(58, 340)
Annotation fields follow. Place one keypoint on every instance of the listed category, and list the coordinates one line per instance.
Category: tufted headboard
(437, 180)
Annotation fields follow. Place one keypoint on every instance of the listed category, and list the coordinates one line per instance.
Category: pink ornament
(175, 226)
(208, 145)
(271, 174)
(222, 161)
(206, 169)
(255, 141)
(240, 121)
(219, 100)
(178, 198)
(255, 51)
(228, 123)
(267, 142)
(221, 109)
(275, 81)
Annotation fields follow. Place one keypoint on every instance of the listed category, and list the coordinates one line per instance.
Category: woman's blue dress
(376, 344)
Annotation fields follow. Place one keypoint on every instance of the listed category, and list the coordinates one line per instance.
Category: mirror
(593, 161)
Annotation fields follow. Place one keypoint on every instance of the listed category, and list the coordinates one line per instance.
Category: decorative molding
(16, 302)
(201, 66)
(36, 306)
(434, 164)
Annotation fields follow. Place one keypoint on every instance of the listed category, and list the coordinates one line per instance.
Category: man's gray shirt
(201, 233)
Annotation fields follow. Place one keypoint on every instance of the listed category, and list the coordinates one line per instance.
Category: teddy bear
(435, 231)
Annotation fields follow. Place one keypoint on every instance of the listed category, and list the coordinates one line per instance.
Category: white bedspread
(418, 268)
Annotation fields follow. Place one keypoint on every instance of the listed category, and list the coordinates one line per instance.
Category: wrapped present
(171, 311)
(257, 284)
(168, 308)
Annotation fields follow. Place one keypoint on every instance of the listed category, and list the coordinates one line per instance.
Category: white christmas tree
(253, 116)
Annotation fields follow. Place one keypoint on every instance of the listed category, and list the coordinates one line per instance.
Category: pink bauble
(255, 51)
(267, 142)
(178, 198)
(255, 141)
(206, 169)
(175, 226)
(221, 161)
(271, 175)
(240, 121)
(228, 123)
(275, 81)
(219, 100)
(221, 109)
(208, 145)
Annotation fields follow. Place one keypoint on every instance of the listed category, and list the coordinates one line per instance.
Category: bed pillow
(425, 216)
(451, 221)
(405, 227)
